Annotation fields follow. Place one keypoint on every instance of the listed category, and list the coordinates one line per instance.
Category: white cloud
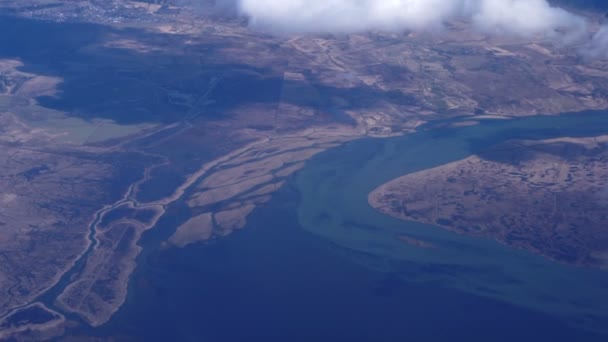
(598, 46)
(520, 17)
(345, 15)
(524, 17)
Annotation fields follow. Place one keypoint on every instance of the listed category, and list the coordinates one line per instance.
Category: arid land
(549, 197)
(118, 109)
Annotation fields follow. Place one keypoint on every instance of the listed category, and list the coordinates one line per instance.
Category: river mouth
(334, 205)
(318, 263)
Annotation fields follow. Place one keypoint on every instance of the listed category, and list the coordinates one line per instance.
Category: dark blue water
(275, 281)
(334, 206)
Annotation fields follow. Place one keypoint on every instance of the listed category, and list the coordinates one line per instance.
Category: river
(318, 263)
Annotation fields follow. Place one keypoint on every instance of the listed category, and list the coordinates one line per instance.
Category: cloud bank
(519, 17)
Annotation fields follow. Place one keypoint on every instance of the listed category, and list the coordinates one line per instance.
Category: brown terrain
(548, 196)
(119, 110)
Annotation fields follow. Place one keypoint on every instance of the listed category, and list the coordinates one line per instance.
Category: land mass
(120, 110)
(546, 196)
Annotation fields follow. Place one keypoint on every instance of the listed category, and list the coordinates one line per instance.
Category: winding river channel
(317, 261)
(335, 186)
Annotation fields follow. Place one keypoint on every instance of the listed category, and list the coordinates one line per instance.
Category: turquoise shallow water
(334, 206)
